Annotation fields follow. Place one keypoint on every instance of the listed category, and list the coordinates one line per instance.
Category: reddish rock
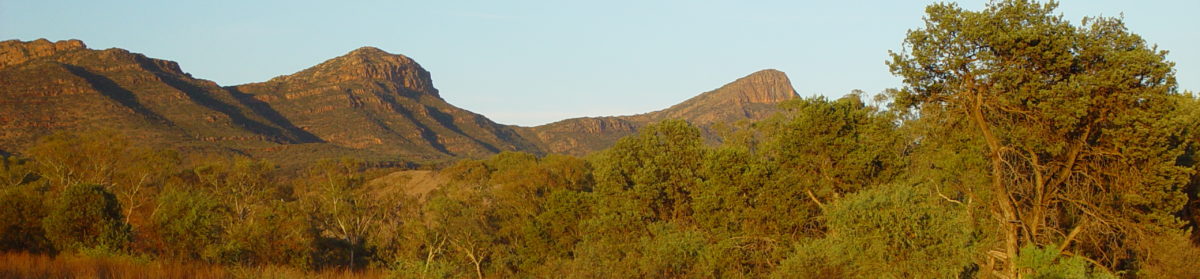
(14, 52)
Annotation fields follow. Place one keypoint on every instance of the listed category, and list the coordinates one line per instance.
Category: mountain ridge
(752, 97)
(48, 87)
(366, 103)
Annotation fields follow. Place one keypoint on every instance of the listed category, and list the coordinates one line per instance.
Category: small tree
(654, 171)
(341, 207)
(87, 216)
(21, 207)
(21, 213)
(189, 223)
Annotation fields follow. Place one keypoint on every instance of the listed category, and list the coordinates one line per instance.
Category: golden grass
(410, 182)
(36, 266)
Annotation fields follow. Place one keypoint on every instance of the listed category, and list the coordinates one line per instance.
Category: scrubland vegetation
(1021, 146)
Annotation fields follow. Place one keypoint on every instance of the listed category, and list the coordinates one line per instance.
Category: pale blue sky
(533, 62)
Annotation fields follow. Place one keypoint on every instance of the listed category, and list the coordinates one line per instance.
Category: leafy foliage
(900, 231)
(1070, 117)
(1048, 262)
(190, 224)
(87, 216)
(21, 214)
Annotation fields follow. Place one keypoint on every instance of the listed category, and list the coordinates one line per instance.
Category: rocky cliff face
(365, 64)
(753, 97)
(579, 136)
(13, 52)
(374, 100)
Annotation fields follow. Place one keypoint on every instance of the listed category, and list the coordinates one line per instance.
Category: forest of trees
(1021, 146)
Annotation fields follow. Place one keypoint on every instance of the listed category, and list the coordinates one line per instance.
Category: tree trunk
(475, 259)
(478, 272)
(432, 250)
(1007, 211)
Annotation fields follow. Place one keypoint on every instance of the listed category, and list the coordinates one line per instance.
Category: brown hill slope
(368, 104)
(373, 100)
(752, 97)
(47, 87)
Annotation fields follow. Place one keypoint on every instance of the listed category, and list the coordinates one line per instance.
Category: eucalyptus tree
(1079, 154)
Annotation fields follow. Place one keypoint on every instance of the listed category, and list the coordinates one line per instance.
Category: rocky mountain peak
(370, 50)
(736, 99)
(367, 64)
(14, 52)
(768, 86)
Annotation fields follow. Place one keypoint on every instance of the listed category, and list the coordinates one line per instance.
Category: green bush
(275, 233)
(189, 223)
(21, 214)
(815, 258)
(1048, 263)
(405, 269)
(87, 216)
(892, 231)
(670, 251)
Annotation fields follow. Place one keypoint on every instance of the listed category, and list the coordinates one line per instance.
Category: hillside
(752, 97)
(373, 100)
(64, 86)
(368, 104)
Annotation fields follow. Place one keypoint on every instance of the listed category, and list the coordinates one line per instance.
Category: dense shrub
(21, 213)
(189, 224)
(87, 216)
(892, 231)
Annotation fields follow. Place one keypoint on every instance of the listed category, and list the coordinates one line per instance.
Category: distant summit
(768, 86)
(374, 100)
(366, 63)
(753, 97)
(367, 103)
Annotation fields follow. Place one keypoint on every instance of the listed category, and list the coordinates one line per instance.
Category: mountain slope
(367, 104)
(47, 87)
(373, 100)
(753, 97)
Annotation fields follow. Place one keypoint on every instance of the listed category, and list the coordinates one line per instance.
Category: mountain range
(368, 104)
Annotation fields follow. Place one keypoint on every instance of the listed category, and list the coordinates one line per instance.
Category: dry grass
(410, 182)
(34, 266)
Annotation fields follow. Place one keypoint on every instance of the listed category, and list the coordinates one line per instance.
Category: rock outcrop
(14, 52)
(751, 97)
(579, 136)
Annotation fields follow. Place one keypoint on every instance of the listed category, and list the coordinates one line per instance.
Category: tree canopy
(1080, 155)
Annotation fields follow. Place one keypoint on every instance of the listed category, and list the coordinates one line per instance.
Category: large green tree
(655, 171)
(643, 181)
(1079, 153)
